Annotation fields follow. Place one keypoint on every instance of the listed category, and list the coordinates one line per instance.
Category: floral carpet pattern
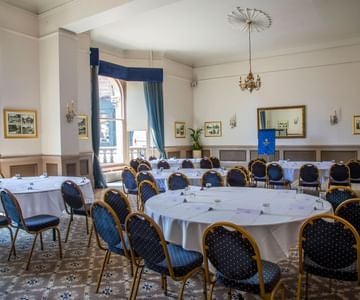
(76, 275)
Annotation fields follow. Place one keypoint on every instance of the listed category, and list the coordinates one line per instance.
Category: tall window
(111, 99)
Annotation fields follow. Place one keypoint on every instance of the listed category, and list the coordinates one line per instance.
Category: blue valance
(124, 73)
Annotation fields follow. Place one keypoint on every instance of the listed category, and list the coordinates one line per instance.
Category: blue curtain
(95, 128)
(155, 108)
(262, 120)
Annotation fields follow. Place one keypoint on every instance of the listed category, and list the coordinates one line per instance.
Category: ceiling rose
(241, 17)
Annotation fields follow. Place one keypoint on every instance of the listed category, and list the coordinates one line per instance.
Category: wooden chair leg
(299, 287)
(31, 252)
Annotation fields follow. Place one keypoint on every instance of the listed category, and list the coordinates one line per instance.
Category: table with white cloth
(42, 195)
(175, 163)
(272, 217)
(194, 175)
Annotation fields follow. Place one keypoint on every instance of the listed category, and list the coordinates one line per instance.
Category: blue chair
(236, 258)
(143, 167)
(237, 177)
(5, 223)
(134, 163)
(354, 168)
(177, 181)
(128, 177)
(215, 162)
(338, 194)
(258, 171)
(309, 176)
(349, 210)
(146, 175)
(339, 174)
(147, 189)
(212, 178)
(329, 247)
(75, 205)
(108, 226)
(163, 164)
(275, 176)
(149, 249)
(119, 202)
(33, 225)
(205, 163)
(187, 164)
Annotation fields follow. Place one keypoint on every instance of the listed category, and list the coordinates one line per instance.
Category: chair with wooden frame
(246, 171)
(212, 178)
(350, 211)
(338, 194)
(119, 202)
(187, 164)
(134, 163)
(309, 176)
(275, 176)
(339, 174)
(5, 223)
(215, 162)
(143, 167)
(147, 189)
(258, 172)
(329, 246)
(33, 225)
(178, 181)
(205, 163)
(237, 177)
(149, 248)
(234, 254)
(354, 168)
(128, 176)
(163, 164)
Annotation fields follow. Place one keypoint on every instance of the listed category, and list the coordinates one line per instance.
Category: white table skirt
(272, 217)
(44, 197)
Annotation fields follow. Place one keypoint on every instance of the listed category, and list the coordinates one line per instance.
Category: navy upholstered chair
(309, 176)
(338, 194)
(187, 164)
(154, 252)
(245, 170)
(119, 202)
(237, 177)
(212, 178)
(134, 163)
(354, 168)
(34, 225)
(258, 171)
(75, 205)
(163, 164)
(215, 162)
(329, 247)
(275, 176)
(143, 167)
(147, 189)
(177, 181)
(205, 163)
(5, 223)
(128, 177)
(236, 258)
(145, 175)
(350, 211)
(108, 226)
(339, 174)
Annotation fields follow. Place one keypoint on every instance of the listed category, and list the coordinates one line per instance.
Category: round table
(42, 195)
(175, 163)
(272, 217)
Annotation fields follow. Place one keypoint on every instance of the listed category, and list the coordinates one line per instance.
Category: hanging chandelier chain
(249, 23)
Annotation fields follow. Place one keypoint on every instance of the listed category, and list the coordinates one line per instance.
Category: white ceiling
(197, 33)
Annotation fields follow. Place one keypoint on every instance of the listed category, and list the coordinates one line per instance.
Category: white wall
(321, 80)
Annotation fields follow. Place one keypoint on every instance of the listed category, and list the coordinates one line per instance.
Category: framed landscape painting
(20, 123)
(83, 126)
(356, 124)
(179, 129)
(213, 129)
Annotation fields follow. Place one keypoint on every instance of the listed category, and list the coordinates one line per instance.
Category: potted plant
(195, 137)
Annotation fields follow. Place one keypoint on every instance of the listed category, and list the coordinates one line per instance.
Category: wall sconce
(233, 121)
(334, 118)
(70, 112)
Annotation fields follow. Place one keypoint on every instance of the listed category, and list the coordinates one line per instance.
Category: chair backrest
(350, 211)
(233, 252)
(205, 163)
(143, 167)
(354, 168)
(246, 171)
(177, 181)
(134, 163)
(187, 164)
(212, 177)
(151, 157)
(163, 164)
(237, 177)
(215, 162)
(107, 225)
(339, 172)
(338, 194)
(72, 194)
(11, 207)
(309, 173)
(274, 171)
(147, 189)
(119, 203)
(258, 169)
(329, 241)
(144, 175)
(128, 177)
(147, 240)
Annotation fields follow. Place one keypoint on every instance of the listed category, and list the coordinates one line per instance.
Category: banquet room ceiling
(197, 32)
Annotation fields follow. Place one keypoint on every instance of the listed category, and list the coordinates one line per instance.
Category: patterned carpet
(76, 275)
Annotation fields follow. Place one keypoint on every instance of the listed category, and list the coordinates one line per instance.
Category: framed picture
(20, 123)
(179, 129)
(83, 126)
(356, 124)
(213, 129)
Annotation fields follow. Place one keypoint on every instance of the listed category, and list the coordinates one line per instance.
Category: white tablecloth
(175, 163)
(194, 175)
(42, 195)
(272, 217)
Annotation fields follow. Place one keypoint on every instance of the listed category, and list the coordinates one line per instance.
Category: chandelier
(249, 19)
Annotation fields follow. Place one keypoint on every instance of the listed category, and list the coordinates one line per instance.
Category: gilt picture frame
(20, 123)
(180, 129)
(213, 129)
(356, 124)
(83, 126)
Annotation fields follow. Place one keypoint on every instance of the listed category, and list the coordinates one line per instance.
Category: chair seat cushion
(260, 178)
(4, 221)
(40, 222)
(355, 180)
(83, 211)
(272, 276)
(347, 274)
(279, 182)
(182, 261)
(309, 183)
(339, 182)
